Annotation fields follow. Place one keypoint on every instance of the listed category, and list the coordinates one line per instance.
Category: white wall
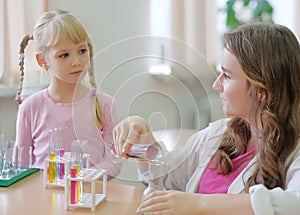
(286, 13)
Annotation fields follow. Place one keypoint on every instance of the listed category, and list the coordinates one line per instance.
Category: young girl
(64, 50)
(246, 164)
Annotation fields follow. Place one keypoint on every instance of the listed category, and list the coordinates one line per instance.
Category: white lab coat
(188, 163)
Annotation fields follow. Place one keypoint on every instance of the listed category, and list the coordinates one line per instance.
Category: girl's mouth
(76, 72)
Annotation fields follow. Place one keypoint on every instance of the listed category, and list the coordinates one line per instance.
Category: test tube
(77, 156)
(79, 184)
(62, 165)
(56, 147)
(73, 190)
(52, 168)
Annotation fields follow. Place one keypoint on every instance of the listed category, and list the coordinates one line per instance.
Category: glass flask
(156, 171)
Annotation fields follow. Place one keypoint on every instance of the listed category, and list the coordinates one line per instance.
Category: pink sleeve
(23, 130)
(111, 117)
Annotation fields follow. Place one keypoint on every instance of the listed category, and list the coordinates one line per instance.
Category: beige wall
(8, 115)
(125, 47)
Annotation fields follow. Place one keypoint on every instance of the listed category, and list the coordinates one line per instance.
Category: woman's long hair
(270, 58)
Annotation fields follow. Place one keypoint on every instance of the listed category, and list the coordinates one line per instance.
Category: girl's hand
(169, 203)
(133, 129)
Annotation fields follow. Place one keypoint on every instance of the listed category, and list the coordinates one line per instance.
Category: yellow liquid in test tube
(51, 168)
(79, 187)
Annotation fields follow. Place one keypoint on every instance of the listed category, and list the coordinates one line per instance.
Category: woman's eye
(226, 76)
(64, 55)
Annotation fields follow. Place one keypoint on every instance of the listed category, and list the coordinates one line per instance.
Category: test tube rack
(66, 159)
(57, 182)
(88, 200)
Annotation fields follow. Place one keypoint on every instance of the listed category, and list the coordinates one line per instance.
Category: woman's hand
(133, 129)
(169, 203)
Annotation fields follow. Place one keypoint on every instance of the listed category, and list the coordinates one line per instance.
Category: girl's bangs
(69, 28)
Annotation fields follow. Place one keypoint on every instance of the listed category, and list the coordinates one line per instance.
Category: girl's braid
(97, 110)
(23, 45)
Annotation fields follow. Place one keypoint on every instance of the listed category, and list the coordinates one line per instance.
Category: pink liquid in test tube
(62, 165)
(73, 190)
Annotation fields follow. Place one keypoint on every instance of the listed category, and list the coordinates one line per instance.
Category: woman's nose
(217, 85)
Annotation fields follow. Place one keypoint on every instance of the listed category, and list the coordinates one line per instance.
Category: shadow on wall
(183, 99)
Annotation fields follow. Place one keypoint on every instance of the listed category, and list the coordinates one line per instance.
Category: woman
(250, 162)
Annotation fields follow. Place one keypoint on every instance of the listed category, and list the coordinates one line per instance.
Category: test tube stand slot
(66, 159)
(58, 181)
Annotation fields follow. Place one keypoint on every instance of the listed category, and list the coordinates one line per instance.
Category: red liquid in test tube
(73, 190)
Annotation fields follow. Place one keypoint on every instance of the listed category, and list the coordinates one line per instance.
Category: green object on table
(8, 182)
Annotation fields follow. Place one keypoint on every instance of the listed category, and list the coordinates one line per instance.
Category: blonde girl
(64, 50)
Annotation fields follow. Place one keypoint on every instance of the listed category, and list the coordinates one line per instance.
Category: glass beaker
(55, 141)
(24, 156)
(77, 147)
(9, 167)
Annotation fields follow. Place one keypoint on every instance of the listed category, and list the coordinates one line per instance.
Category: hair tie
(30, 36)
(93, 92)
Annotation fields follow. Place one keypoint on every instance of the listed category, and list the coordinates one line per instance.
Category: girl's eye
(64, 55)
(82, 51)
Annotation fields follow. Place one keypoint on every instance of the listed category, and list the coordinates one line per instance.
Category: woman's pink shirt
(211, 182)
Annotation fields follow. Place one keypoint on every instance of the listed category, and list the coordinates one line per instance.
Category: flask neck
(156, 184)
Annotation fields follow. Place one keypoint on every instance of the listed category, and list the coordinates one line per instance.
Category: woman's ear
(41, 61)
(262, 96)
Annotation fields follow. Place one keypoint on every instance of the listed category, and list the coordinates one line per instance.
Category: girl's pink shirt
(39, 113)
(211, 182)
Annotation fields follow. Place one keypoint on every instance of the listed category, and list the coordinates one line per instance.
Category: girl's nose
(217, 85)
(76, 61)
